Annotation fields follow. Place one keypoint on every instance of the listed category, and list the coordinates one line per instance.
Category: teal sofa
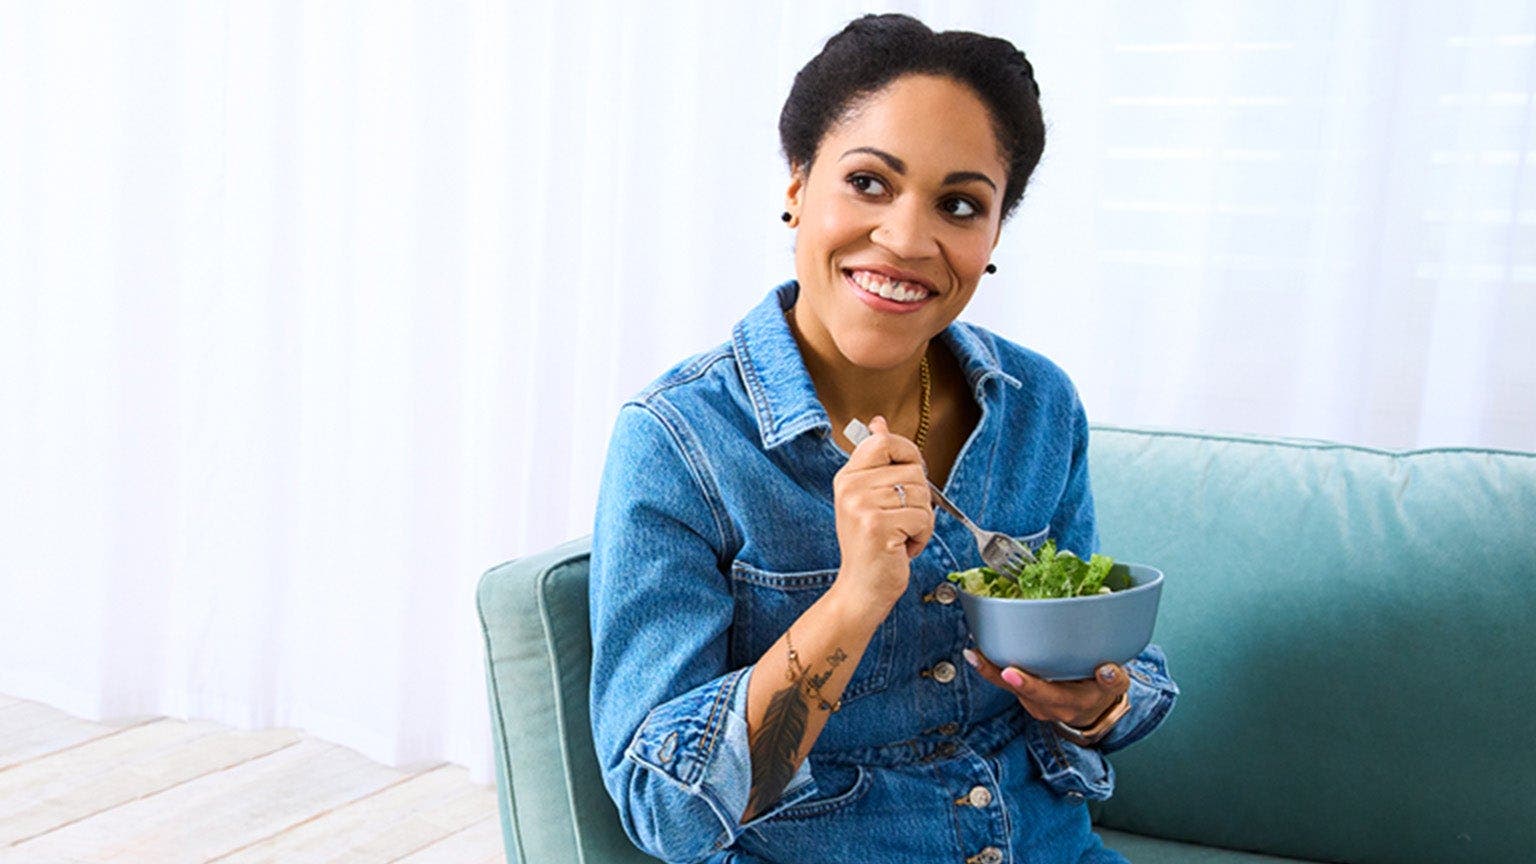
(1353, 630)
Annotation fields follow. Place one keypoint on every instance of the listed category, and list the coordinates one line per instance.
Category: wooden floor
(165, 791)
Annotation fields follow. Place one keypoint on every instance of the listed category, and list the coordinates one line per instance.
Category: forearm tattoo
(776, 743)
(810, 683)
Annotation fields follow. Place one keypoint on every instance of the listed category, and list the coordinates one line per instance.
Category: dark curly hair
(875, 50)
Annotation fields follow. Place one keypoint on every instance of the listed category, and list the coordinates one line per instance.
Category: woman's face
(898, 217)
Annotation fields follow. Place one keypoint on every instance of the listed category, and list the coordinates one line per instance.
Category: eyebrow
(900, 167)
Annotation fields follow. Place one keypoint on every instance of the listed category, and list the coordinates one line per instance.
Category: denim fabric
(715, 530)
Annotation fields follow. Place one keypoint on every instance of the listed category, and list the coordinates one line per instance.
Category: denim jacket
(715, 530)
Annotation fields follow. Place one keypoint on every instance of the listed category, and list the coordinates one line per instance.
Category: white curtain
(311, 312)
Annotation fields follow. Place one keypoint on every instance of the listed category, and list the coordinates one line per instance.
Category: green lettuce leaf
(1052, 575)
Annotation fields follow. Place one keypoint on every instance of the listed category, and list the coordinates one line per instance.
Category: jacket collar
(783, 397)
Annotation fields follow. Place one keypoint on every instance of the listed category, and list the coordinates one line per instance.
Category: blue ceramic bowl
(1068, 638)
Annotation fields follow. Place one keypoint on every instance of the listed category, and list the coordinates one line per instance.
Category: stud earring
(786, 217)
(991, 268)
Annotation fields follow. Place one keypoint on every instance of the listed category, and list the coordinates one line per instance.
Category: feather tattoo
(775, 747)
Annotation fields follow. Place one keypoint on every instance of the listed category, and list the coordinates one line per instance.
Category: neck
(847, 391)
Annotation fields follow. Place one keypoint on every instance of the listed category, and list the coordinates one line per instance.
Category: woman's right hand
(879, 536)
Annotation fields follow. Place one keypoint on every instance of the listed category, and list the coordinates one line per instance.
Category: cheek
(834, 222)
(972, 252)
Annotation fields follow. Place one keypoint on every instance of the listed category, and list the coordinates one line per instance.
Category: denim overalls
(715, 530)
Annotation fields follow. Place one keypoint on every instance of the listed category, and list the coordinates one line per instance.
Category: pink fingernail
(970, 657)
(1014, 677)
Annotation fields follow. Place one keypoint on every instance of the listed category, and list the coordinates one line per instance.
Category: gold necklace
(924, 378)
(922, 409)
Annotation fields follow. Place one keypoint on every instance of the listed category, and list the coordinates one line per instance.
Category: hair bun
(1028, 69)
(873, 50)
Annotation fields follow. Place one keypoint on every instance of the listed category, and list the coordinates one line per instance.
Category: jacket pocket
(768, 602)
(847, 784)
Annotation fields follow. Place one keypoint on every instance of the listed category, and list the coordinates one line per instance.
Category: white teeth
(890, 289)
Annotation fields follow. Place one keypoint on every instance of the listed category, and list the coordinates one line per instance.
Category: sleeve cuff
(1070, 770)
(1152, 696)
(699, 742)
(1084, 772)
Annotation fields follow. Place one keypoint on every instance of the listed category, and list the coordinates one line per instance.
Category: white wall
(310, 312)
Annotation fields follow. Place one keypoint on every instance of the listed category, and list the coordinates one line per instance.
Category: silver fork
(999, 551)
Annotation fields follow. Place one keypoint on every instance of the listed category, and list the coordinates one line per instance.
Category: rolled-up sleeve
(1085, 772)
(668, 713)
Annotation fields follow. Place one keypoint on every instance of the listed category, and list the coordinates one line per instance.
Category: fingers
(906, 494)
(1077, 703)
(880, 527)
(918, 525)
(880, 464)
(1112, 679)
(875, 488)
(1012, 679)
(989, 671)
(873, 513)
(884, 447)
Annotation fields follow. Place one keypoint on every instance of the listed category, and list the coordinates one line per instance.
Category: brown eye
(961, 208)
(866, 184)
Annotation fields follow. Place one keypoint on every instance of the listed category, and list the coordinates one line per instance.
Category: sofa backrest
(1351, 630)
(1354, 634)
(554, 809)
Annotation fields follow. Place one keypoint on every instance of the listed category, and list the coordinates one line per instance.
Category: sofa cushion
(554, 809)
(1352, 632)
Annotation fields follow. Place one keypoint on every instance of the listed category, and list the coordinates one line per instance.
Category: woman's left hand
(1075, 703)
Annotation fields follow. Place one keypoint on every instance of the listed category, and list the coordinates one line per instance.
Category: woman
(780, 671)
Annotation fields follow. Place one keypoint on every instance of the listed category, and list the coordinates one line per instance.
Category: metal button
(1075, 796)
(945, 593)
(980, 796)
(989, 855)
(943, 671)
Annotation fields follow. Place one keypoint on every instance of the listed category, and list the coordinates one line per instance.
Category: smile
(891, 289)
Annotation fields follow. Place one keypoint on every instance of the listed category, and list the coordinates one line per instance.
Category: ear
(793, 196)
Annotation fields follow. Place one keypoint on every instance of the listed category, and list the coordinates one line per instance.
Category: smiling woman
(778, 671)
(892, 241)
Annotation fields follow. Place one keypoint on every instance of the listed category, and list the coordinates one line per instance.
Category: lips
(896, 290)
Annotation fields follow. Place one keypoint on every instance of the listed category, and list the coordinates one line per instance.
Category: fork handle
(939, 496)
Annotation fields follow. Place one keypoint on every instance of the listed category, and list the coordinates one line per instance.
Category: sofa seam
(1302, 444)
(500, 731)
(541, 585)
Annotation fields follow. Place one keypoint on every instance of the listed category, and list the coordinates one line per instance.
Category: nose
(904, 230)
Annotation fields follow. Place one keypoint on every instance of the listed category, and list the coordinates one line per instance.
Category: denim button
(945, 593)
(989, 855)
(943, 671)
(980, 796)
